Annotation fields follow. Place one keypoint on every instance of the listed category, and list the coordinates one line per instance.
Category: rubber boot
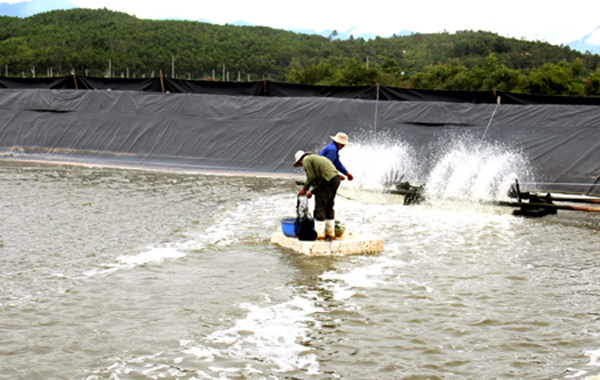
(320, 229)
(330, 229)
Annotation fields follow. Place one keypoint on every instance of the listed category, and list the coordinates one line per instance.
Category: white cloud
(594, 38)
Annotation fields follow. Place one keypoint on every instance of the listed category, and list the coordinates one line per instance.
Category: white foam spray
(273, 335)
(465, 169)
(379, 161)
(470, 171)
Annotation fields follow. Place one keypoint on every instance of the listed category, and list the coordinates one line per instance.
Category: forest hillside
(103, 43)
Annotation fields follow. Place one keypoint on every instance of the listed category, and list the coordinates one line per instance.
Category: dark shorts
(325, 199)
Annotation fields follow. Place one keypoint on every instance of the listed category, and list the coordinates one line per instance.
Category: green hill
(90, 42)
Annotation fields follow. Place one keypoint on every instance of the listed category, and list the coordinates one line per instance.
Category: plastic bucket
(287, 226)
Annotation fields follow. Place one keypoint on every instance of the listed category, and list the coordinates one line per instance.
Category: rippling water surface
(125, 274)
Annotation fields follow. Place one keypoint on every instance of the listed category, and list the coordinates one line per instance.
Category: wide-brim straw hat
(340, 138)
(299, 156)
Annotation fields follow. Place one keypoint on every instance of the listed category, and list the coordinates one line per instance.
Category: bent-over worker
(332, 151)
(322, 176)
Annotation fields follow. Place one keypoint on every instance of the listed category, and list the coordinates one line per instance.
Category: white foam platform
(348, 244)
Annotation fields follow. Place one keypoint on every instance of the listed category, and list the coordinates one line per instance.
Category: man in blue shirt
(332, 151)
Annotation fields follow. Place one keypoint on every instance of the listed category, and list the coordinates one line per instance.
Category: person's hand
(350, 176)
(302, 191)
(342, 177)
(309, 195)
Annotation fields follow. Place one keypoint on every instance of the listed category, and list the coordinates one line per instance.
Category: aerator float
(541, 205)
(527, 204)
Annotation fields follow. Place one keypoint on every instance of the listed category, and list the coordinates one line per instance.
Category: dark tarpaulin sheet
(213, 87)
(300, 90)
(91, 83)
(407, 94)
(62, 83)
(225, 133)
(275, 89)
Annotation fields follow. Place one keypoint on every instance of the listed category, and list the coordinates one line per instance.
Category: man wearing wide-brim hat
(332, 151)
(323, 178)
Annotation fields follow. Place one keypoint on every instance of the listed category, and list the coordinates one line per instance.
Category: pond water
(134, 274)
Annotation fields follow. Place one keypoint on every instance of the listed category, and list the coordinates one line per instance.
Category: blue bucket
(287, 226)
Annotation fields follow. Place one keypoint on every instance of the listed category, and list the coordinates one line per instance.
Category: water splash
(470, 171)
(379, 161)
(270, 338)
(464, 169)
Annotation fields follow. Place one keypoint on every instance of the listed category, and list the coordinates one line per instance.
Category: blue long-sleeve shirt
(332, 152)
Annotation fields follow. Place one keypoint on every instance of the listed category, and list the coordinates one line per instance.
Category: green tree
(311, 74)
(356, 74)
(441, 77)
(390, 66)
(592, 86)
(499, 77)
(549, 79)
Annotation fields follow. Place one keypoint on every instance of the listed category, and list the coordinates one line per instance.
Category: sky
(554, 22)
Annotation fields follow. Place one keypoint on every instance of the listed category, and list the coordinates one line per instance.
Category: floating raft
(348, 244)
